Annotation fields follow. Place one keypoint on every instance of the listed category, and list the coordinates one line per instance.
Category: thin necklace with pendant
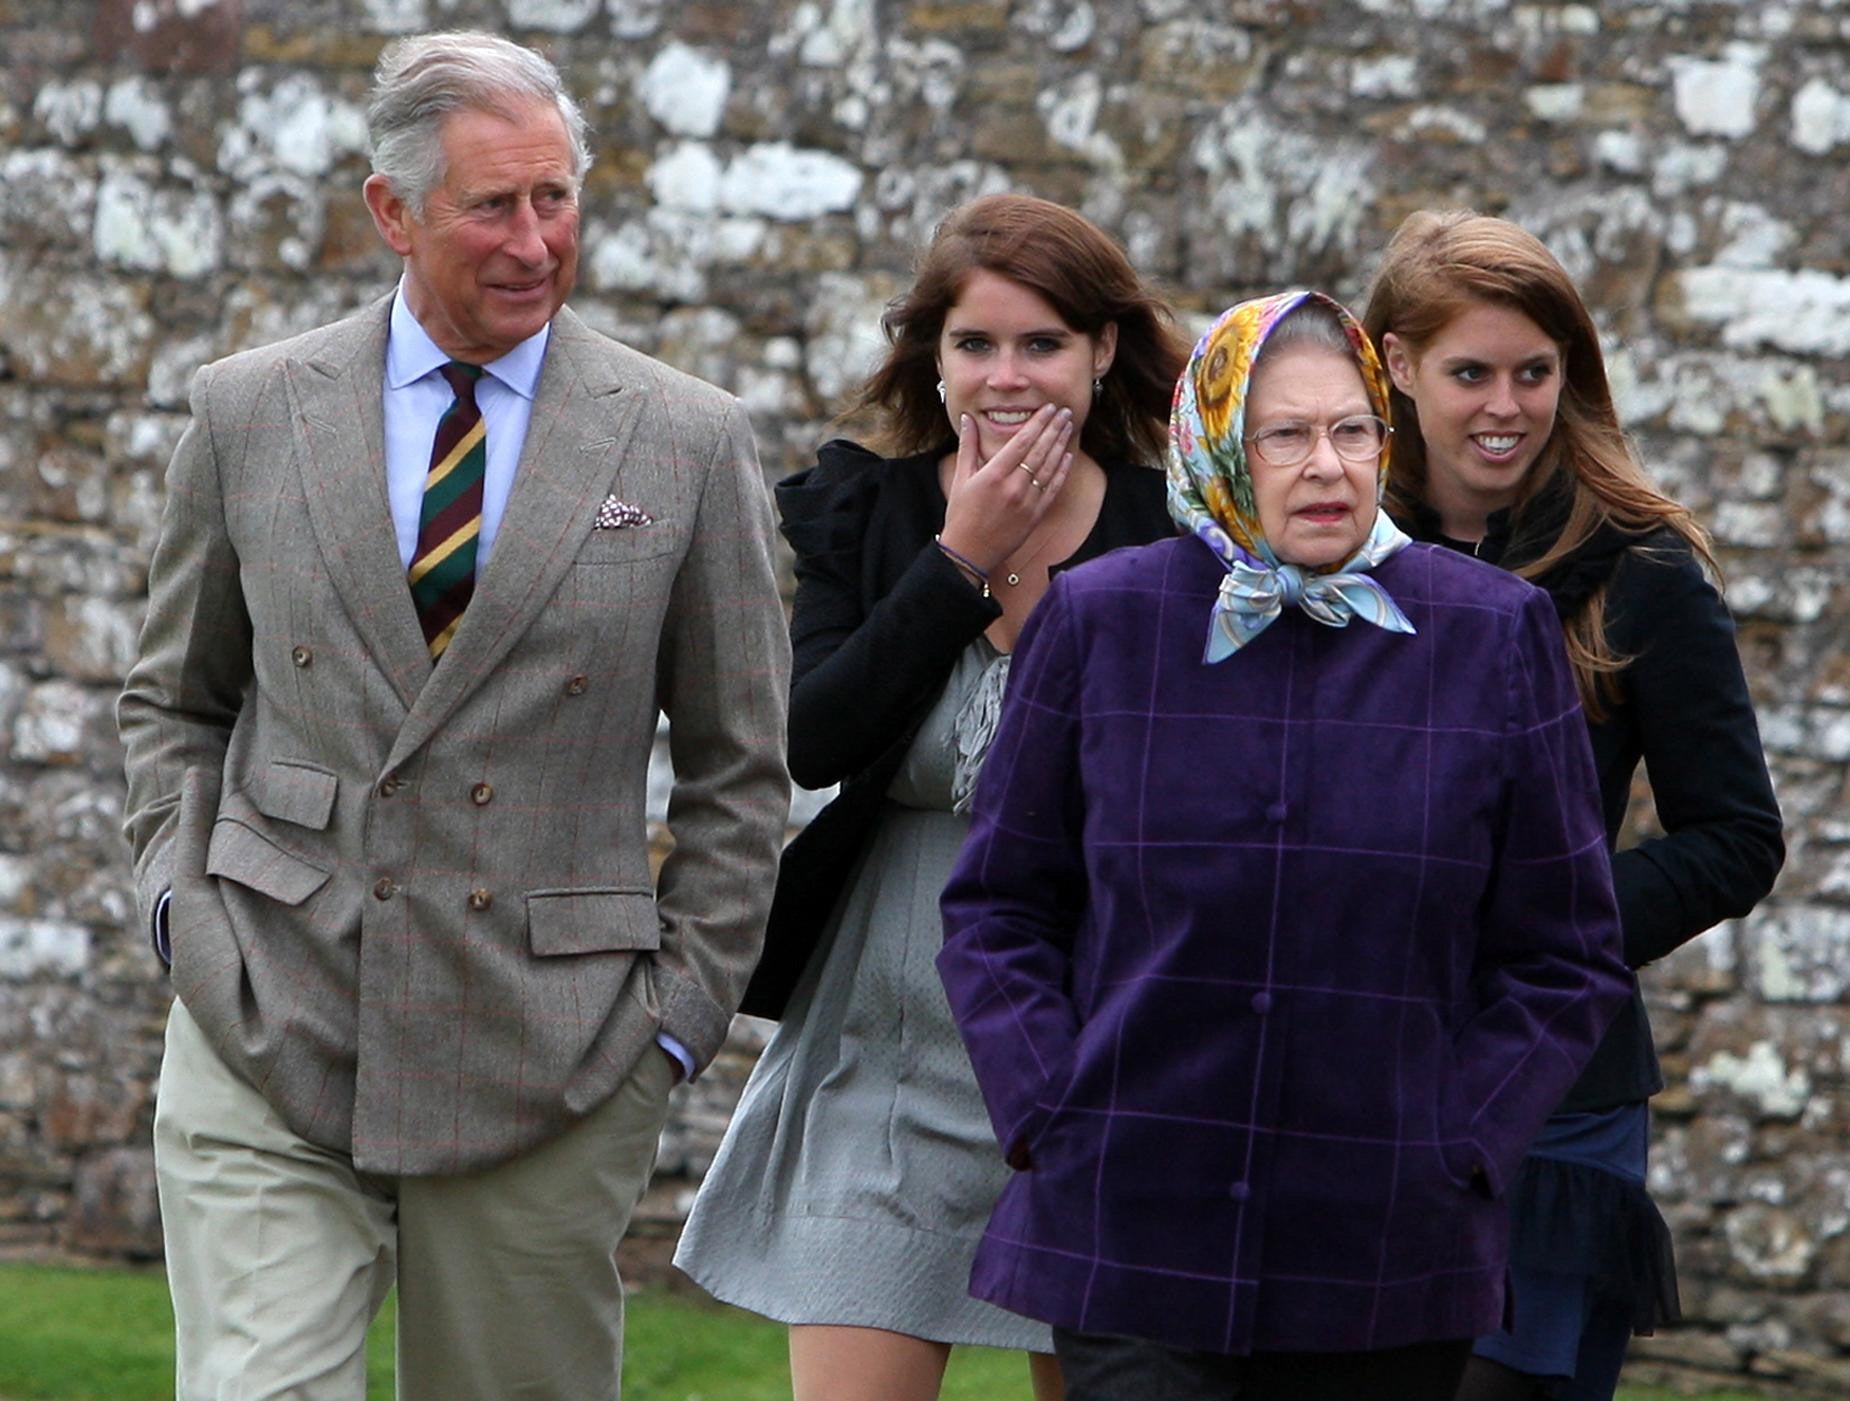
(1013, 577)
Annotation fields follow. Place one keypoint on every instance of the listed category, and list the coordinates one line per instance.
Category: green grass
(107, 1335)
(75, 1334)
(79, 1333)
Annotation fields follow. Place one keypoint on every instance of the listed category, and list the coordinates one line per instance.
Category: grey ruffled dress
(860, 1167)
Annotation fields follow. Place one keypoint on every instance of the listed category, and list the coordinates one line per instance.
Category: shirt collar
(410, 353)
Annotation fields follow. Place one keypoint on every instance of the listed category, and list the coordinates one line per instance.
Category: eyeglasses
(1357, 438)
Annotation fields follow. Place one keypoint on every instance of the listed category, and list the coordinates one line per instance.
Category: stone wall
(179, 179)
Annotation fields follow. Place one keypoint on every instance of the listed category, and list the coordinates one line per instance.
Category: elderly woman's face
(1317, 512)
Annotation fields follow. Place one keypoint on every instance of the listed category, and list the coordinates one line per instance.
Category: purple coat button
(1240, 1191)
(1262, 1002)
(1276, 812)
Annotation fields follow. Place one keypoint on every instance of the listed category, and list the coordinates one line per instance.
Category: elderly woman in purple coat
(1285, 917)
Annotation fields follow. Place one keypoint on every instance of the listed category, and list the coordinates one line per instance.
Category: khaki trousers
(279, 1253)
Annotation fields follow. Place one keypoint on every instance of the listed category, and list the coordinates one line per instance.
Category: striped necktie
(443, 566)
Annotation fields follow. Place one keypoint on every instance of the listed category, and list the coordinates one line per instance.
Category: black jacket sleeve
(1685, 706)
(869, 655)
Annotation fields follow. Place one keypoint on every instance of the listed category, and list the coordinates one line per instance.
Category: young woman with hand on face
(1017, 382)
(1023, 401)
(1507, 446)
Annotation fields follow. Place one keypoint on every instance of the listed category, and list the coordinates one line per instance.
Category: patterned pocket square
(617, 514)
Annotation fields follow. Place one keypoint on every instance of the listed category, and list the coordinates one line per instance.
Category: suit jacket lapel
(338, 396)
(580, 423)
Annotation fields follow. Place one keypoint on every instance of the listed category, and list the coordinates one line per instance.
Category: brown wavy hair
(1083, 275)
(1437, 265)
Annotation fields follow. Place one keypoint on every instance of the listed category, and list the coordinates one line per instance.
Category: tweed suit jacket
(1270, 970)
(413, 904)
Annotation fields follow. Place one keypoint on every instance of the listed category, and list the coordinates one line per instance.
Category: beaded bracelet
(980, 575)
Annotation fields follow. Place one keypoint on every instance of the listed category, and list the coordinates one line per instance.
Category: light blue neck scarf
(1252, 596)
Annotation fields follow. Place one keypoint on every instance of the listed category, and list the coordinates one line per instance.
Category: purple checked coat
(1271, 969)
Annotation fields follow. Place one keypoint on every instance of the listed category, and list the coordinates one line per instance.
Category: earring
(1098, 385)
(940, 391)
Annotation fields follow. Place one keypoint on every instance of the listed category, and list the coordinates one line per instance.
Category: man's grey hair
(420, 80)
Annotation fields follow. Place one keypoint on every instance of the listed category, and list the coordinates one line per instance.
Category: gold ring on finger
(1039, 485)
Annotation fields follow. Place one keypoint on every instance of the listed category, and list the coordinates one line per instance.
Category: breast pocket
(617, 588)
(629, 544)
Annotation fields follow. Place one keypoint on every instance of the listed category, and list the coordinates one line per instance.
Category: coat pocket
(1034, 1143)
(607, 919)
(292, 790)
(1459, 1154)
(242, 854)
(627, 546)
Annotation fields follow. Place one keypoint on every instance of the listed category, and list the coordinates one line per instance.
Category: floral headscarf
(1211, 488)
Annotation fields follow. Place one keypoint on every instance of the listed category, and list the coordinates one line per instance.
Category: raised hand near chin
(992, 507)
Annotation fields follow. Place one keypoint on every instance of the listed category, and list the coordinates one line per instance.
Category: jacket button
(1276, 812)
(577, 686)
(482, 794)
(388, 785)
(301, 656)
(1262, 1002)
(1240, 1191)
(480, 899)
(384, 889)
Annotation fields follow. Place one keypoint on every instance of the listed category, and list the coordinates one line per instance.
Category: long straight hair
(1438, 265)
(1071, 263)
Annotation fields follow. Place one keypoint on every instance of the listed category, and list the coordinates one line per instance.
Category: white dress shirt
(417, 397)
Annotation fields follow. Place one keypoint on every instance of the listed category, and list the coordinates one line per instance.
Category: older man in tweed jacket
(430, 1000)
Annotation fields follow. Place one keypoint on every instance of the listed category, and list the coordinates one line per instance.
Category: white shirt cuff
(161, 936)
(681, 1054)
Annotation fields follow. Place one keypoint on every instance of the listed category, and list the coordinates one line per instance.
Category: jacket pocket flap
(592, 921)
(292, 791)
(237, 853)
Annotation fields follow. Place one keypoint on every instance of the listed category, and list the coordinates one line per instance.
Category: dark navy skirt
(1591, 1261)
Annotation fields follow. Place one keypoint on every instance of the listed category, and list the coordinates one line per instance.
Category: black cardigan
(1683, 709)
(880, 618)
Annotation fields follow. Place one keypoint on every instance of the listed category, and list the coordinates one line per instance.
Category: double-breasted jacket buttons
(480, 899)
(389, 785)
(482, 794)
(301, 656)
(577, 686)
(384, 888)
